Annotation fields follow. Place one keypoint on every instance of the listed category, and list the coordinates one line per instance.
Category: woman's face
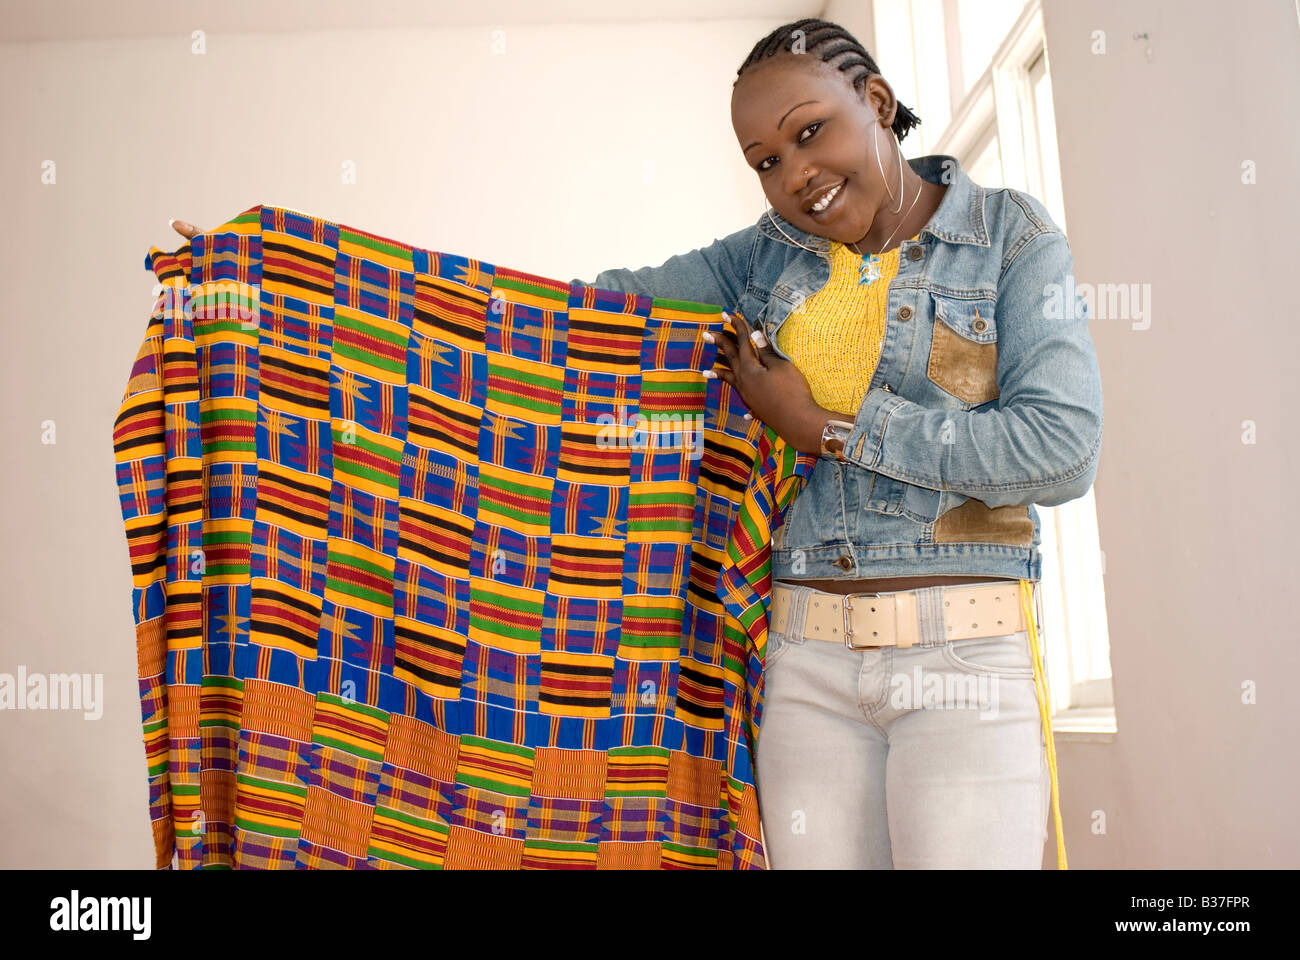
(805, 130)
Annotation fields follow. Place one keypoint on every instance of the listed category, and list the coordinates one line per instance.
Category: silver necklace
(869, 271)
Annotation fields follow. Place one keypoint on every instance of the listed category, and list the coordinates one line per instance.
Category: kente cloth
(430, 568)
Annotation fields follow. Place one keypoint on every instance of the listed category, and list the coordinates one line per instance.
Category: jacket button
(844, 563)
(904, 313)
(979, 325)
(916, 253)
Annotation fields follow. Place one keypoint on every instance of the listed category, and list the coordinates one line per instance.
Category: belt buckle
(846, 607)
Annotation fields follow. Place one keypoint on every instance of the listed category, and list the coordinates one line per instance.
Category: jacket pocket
(976, 522)
(868, 490)
(964, 349)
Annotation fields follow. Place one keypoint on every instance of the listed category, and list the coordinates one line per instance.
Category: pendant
(869, 272)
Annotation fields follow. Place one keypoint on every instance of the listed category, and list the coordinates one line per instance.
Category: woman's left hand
(773, 388)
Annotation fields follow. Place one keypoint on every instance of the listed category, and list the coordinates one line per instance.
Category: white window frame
(1072, 614)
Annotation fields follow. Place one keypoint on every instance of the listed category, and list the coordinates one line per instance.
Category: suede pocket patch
(964, 351)
(976, 522)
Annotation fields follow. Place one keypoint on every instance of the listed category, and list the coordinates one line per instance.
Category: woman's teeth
(825, 201)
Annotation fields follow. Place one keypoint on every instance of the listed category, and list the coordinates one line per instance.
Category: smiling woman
(890, 316)
(823, 172)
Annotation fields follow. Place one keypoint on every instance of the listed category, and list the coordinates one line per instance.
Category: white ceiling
(27, 20)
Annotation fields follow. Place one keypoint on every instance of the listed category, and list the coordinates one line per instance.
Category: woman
(908, 326)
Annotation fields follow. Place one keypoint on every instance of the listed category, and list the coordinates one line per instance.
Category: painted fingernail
(706, 337)
(725, 315)
(760, 341)
(709, 375)
(748, 416)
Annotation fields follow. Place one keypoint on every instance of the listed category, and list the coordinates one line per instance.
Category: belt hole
(874, 634)
(999, 623)
(972, 599)
(947, 604)
(974, 625)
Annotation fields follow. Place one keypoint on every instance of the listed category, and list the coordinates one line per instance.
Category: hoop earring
(875, 142)
(767, 211)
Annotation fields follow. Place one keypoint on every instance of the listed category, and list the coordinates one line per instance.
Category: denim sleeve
(1041, 443)
(715, 274)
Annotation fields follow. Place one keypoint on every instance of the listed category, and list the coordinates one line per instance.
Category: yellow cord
(1045, 712)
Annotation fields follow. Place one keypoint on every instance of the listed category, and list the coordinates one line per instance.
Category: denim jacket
(986, 399)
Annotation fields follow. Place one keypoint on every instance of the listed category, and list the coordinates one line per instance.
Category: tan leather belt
(863, 620)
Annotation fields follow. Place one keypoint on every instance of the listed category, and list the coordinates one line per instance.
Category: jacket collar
(959, 219)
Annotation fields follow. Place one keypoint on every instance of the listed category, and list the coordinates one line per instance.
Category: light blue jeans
(931, 756)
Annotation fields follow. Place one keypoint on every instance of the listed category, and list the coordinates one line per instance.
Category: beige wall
(1198, 528)
(595, 145)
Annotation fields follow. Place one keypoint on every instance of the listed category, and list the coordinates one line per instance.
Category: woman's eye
(802, 139)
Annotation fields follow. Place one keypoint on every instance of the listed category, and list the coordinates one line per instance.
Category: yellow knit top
(835, 340)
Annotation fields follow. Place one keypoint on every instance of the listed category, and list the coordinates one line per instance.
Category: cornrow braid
(831, 42)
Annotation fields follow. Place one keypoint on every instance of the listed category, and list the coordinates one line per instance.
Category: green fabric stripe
(555, 382)
(502, 629)
(700, 852)
(365, 443)
(359, 563)
(227, 536)
(233, 683)
(648, 498)
(500, 483)
(523, 286)
(347, 746)
(354, 323)
(686, 306)
(352, 706)
(389, 480)
(498, 786)
(576, 846)
(517, 604)
(639, 751)
(497, 746)
(256, 826)
(528, 403)
(275, 786)
(229, 445)
(360, 592)
(401, 816)
(232, 724)
(391, 857)
(227, 413)
(370, 243)
(392, 365)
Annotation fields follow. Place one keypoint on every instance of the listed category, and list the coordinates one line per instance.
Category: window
(977, 74)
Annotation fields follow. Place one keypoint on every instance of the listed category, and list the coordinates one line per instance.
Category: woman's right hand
(186, 230)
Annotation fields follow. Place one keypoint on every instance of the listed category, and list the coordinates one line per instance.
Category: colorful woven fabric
(414, 587)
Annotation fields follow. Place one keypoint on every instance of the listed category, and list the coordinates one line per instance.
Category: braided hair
(832, 42)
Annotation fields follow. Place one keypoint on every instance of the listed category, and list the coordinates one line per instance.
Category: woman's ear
(881, 98)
